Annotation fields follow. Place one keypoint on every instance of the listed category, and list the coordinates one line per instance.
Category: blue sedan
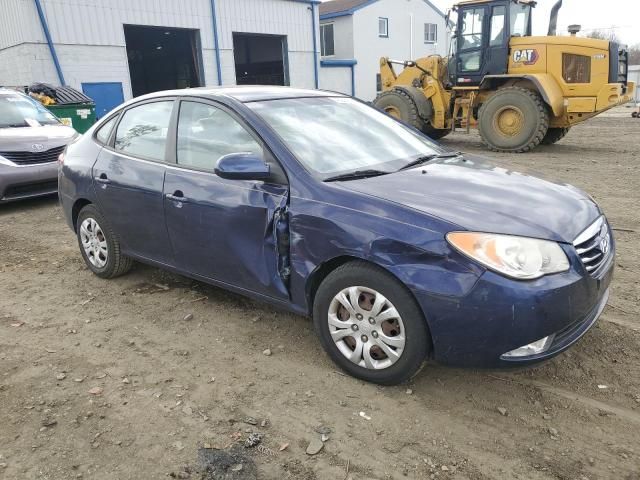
(400, 250)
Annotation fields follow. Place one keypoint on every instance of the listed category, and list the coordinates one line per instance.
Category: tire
(407, 330)
(400, 105)
(634, 115)
(514, 120)
(103, 255)
(554, 135)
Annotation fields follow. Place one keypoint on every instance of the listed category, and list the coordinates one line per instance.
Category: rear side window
(104, 132)
(206, 133)
(142, 132)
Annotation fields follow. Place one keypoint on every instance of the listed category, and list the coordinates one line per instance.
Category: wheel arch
(78, 205)
(544, 84)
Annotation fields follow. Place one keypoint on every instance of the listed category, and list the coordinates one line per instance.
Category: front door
(222, 229)
(129, 178)
(471, 45)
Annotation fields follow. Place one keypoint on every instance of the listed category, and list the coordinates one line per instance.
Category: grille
(594, 245)
(576, 68)
(33, 158)
(39, 188)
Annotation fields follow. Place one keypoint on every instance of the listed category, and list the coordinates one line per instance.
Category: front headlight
(516, 257)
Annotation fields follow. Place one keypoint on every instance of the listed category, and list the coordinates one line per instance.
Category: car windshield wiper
(356, 175)
(428, 158)
(13, 125)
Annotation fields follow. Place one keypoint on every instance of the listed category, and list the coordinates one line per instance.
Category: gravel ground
(154, 375)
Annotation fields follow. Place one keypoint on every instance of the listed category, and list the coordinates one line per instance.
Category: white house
(354, 34)
(117, 49)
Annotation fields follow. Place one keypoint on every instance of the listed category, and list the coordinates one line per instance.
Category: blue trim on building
(216, 44)
(350, 11)
(341, 64)
(47, 35)
(315, 46)
(344, 13)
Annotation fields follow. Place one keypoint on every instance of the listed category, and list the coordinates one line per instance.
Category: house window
(383, 27)
(327, 45)
(430, 33)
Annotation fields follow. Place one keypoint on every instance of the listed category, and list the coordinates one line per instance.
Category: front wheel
(370, 324)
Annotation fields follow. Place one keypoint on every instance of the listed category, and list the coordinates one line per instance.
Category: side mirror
(242, 166)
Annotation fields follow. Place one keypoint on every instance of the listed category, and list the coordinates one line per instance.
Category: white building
(634, 76)
(116, 49)
(354, 34)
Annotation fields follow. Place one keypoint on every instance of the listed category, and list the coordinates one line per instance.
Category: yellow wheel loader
(518, 90)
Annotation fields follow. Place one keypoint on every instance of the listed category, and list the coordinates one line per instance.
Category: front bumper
(20, 182)
(500, 315)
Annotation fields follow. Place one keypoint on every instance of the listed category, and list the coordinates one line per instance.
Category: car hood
(22, 138)
(478, 196)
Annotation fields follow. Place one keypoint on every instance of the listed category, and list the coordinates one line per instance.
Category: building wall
(336, 79)
(405, 42)
(342, 36)
(90, 43)
(634, 76)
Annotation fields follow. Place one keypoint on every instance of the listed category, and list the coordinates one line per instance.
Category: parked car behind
(320, 204)
(31, 139)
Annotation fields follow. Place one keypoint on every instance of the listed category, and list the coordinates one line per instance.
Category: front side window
(21, 111)
(142, 132)
(104, 132)
(327, 45)
(383, 27)
(335, 135)
(206, 133)
(430, 33)
(497, 26)
(472, 26)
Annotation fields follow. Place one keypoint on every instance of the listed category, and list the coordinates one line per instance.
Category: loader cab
(481, 39)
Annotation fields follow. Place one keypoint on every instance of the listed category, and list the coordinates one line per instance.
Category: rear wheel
(513, 119)
(554, 135)
(99, 246)
(370, 325)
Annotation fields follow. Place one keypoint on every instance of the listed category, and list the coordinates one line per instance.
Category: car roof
(8, 92)
(245, 94)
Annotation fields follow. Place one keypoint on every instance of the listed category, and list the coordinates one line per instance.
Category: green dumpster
(80, 116)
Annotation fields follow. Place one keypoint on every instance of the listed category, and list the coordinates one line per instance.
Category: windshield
(22, 111)
(520, 20)
(336, 135)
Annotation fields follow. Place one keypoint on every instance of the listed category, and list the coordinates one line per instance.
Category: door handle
(103, 179)
(176, 196)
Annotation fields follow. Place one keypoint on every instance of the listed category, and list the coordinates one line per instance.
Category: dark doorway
(163, 58)
(260, 59)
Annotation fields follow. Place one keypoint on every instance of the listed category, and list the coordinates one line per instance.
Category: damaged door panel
(283, 245)
(231, 231)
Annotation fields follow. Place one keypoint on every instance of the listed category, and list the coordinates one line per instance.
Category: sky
(618, 15)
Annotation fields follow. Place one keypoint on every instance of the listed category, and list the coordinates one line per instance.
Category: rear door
(224, 229)
(129, 179)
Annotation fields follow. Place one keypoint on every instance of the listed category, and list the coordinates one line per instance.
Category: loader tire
(554, 135)
(400, 105)
(513, 120)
